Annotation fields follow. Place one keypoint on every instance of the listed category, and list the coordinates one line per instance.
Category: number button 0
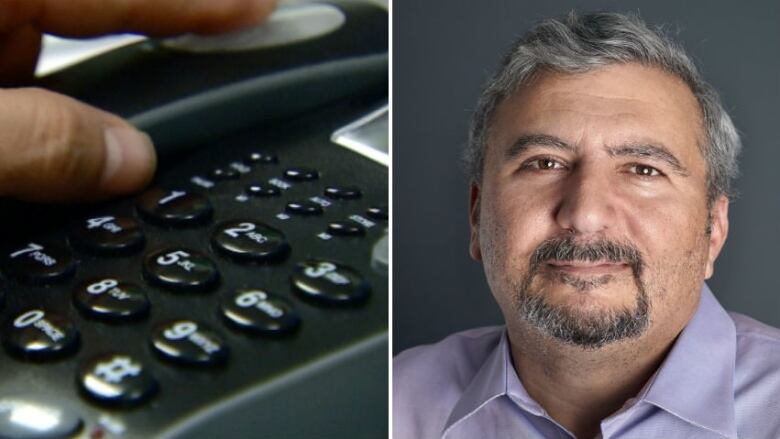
(39, 335)
(37, 263)
(180, 269)
(250, 241)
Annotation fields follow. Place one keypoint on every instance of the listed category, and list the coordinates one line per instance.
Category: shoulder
(756, 376)
(429, 380)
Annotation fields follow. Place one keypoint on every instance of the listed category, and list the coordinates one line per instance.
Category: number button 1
(38, 264)
(180, 269)
(174, 208)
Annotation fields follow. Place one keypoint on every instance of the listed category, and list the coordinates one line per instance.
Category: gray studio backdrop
(443, 51)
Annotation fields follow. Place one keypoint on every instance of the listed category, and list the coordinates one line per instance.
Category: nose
(586, 206)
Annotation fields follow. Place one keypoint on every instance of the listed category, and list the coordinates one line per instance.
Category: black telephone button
(116, 379)
(179, 268)
(301, 174)
(304, 207)
(262, 190)
(261, 157)
(251, 241)
(224, 174)
(346, 228)
(39, 336)
(37, 263)
(377, 212)
(343, 192)
(26, 418)
(107, 234)
(174, 207)
(329, 283)
(257, 311)
(112, 300)
(188, 343)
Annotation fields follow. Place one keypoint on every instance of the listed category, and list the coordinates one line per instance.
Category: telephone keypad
(261, 157)
(301, 174)
(346, 228)
(263, 190)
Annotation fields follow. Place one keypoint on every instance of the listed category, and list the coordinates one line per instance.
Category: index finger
(82, 18)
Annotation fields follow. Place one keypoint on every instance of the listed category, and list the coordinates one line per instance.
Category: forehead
(609, 105)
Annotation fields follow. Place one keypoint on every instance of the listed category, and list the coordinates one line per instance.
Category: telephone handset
(245, 293)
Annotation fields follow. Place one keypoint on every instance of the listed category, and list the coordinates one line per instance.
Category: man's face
(592, 218)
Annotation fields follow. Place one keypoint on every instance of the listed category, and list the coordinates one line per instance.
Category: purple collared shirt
(721, 379)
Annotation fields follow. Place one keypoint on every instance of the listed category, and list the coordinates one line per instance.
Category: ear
(720, 230)
(474, 203)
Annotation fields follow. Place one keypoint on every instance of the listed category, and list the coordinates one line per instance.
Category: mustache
(603, 250)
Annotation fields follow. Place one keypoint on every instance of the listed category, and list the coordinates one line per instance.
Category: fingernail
(130, 160)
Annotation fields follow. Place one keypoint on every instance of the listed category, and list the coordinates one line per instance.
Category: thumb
(54, 148)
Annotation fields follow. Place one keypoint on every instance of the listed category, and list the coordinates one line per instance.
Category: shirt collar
(696, 380)
(699, 367)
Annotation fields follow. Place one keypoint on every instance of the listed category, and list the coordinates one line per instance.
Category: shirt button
(174, 207)
(329, 283)
(111, 300)
(256, 311)
(52, 419)
(116, 379)
(38, 335)
(301, 174)
(107, 235)
(346, 228)
(262, 190)
(304, 207)
(188, 343)
(181, 269)
(343, 192)
(249, 240)
(38, 263)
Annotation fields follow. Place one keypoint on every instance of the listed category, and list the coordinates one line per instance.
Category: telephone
(245, 292)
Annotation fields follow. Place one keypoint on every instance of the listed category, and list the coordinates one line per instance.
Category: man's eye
(544, 163)
(645, 171)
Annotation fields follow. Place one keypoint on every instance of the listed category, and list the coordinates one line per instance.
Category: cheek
(513, 223)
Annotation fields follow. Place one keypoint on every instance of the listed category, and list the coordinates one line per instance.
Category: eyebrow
(643, 150)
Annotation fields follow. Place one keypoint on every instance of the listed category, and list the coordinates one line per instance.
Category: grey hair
(581, 43)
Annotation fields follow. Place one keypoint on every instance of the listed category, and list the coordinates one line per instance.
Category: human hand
(54, 148)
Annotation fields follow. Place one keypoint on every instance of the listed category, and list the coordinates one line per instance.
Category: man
(601, 167)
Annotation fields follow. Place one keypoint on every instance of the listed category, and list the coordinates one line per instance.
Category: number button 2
(250, 241)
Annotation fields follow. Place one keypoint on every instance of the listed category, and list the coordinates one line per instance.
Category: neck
(578, 387)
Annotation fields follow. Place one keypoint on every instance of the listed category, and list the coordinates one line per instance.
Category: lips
(587, 268)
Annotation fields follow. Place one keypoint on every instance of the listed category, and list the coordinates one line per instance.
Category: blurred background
(442, 54)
